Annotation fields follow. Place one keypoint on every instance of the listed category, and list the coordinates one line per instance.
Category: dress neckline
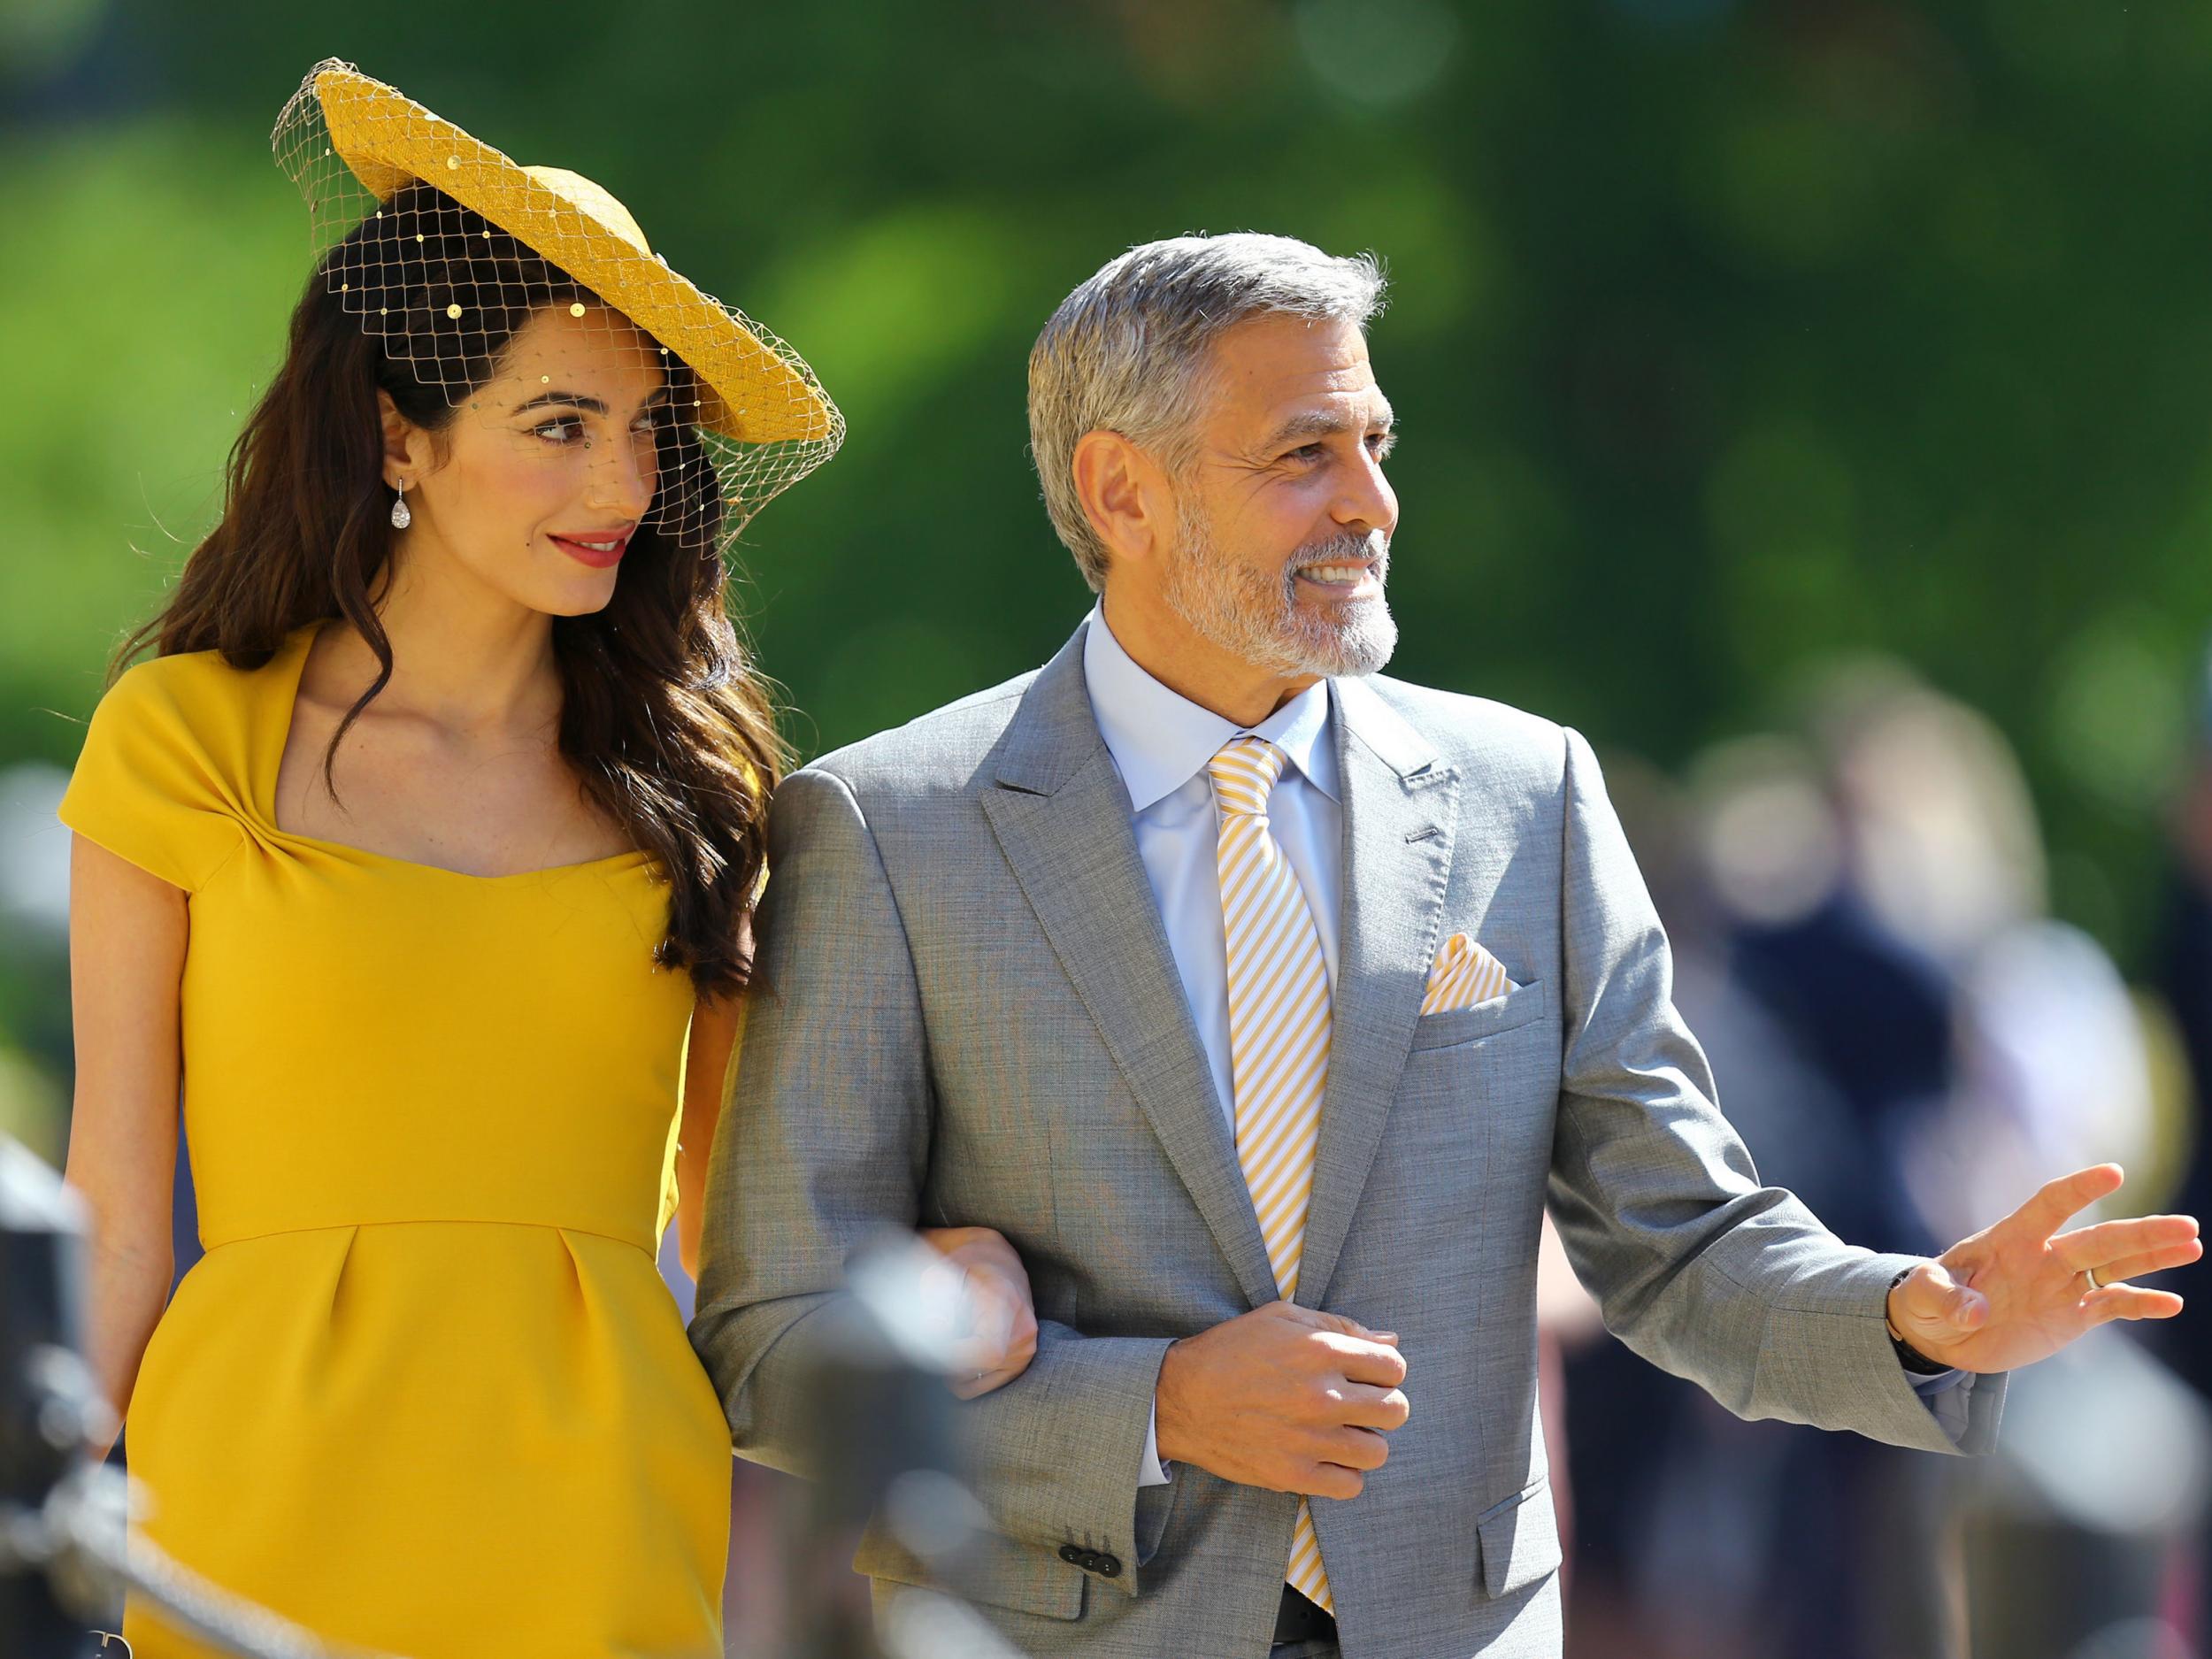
(290, 667)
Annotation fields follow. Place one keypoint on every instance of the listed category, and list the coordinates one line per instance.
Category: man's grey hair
(1130, 350)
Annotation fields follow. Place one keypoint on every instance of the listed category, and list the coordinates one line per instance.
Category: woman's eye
(558, 431)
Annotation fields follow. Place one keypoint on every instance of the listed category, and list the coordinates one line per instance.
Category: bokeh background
(1807, 401)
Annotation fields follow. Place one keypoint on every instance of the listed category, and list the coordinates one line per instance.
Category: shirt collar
(1161, 740)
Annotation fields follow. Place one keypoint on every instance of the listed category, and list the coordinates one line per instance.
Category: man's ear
(407, 447)
(1125, 494)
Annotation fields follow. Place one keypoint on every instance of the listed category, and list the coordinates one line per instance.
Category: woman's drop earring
(401, 516)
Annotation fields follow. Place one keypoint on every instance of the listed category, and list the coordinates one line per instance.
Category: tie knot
(1245, 772)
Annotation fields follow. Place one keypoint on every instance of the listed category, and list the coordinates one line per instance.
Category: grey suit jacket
(967, 1012)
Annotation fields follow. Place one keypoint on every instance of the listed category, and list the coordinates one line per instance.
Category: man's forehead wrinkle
(1271, 374)
(1328, 420)
(1352, 410)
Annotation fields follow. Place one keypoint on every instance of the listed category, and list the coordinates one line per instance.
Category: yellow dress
(426, 1392)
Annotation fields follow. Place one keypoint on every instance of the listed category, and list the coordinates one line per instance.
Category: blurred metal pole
(66, 1551)
(42, 1434)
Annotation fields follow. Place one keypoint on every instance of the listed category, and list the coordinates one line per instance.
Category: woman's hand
(996, 1336)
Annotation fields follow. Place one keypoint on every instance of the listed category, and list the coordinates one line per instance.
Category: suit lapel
(1061, 817)
(1399, 817)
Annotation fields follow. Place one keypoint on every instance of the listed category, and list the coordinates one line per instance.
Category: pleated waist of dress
(214, 1238)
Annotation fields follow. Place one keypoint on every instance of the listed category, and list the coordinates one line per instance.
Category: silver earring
(401, 516)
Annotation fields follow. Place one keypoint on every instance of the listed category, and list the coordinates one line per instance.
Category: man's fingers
(1370, 1407)
(1361, 1361)
(2059, 1201)
(1332, 1480)
(2149, 1262)
(2130, 1302)
(2110, 1242)
(1315, 1319)
(1363, 1449)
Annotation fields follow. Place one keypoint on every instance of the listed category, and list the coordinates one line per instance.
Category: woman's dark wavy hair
(661, 714)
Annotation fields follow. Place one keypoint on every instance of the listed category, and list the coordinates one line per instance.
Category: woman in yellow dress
(418, 861)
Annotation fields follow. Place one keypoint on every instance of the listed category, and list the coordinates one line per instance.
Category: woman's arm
(714, 1024)
(127, 931)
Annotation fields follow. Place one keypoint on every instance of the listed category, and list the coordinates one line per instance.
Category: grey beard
(1239, 610)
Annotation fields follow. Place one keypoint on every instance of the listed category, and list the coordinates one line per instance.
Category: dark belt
(1297, 1620)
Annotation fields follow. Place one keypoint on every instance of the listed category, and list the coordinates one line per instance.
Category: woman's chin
(576, 598)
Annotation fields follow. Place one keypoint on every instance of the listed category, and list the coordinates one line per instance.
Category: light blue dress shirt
(1161, 743)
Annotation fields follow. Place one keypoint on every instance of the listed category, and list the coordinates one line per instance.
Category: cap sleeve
(144, 787)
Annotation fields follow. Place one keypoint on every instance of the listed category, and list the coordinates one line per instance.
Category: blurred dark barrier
(883, 1439)
(66, 1557)
(44, 1389)
(883, 1442)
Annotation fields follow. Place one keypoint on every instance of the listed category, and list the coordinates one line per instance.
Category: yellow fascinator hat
(353, 145)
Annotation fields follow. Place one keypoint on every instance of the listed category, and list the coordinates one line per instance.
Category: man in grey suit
(1207, 964)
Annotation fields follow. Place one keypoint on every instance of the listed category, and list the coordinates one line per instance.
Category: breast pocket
(1516, 1007)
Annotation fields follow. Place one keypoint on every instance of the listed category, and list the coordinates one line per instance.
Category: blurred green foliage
(1726, 336)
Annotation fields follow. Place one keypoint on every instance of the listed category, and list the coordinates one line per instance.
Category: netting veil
(529, 297)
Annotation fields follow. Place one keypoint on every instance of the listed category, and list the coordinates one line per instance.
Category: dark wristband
(1911, 1357)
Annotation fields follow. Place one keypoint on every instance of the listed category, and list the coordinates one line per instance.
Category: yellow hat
(754, 388)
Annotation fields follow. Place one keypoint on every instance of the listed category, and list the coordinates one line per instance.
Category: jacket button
(1074, 1554)
(1107, 1566)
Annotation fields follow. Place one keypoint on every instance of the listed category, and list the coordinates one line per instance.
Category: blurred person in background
(2185, 975)
(419, 857)
(2184, 967)
(1702, 1534)
(1858, 918)
(1264, 1000)
(2080, 1540)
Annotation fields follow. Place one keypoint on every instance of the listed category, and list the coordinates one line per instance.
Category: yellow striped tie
(1279, 1039)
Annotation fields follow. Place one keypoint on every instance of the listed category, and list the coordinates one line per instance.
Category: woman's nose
(621, 480)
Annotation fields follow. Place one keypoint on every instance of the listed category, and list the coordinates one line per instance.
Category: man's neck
(1167, 648)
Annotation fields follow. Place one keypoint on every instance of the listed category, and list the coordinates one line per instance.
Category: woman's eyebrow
(591, 406)
(588, 404)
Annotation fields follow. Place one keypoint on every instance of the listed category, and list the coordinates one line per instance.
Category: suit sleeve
(1697, 1266)
(825, 1143)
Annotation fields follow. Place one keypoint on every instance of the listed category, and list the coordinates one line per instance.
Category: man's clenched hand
(1283, 1397)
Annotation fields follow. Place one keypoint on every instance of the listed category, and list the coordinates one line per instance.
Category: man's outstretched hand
(2018, 1293)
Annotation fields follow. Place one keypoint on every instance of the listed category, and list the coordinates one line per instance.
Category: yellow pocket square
(1463, 975)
